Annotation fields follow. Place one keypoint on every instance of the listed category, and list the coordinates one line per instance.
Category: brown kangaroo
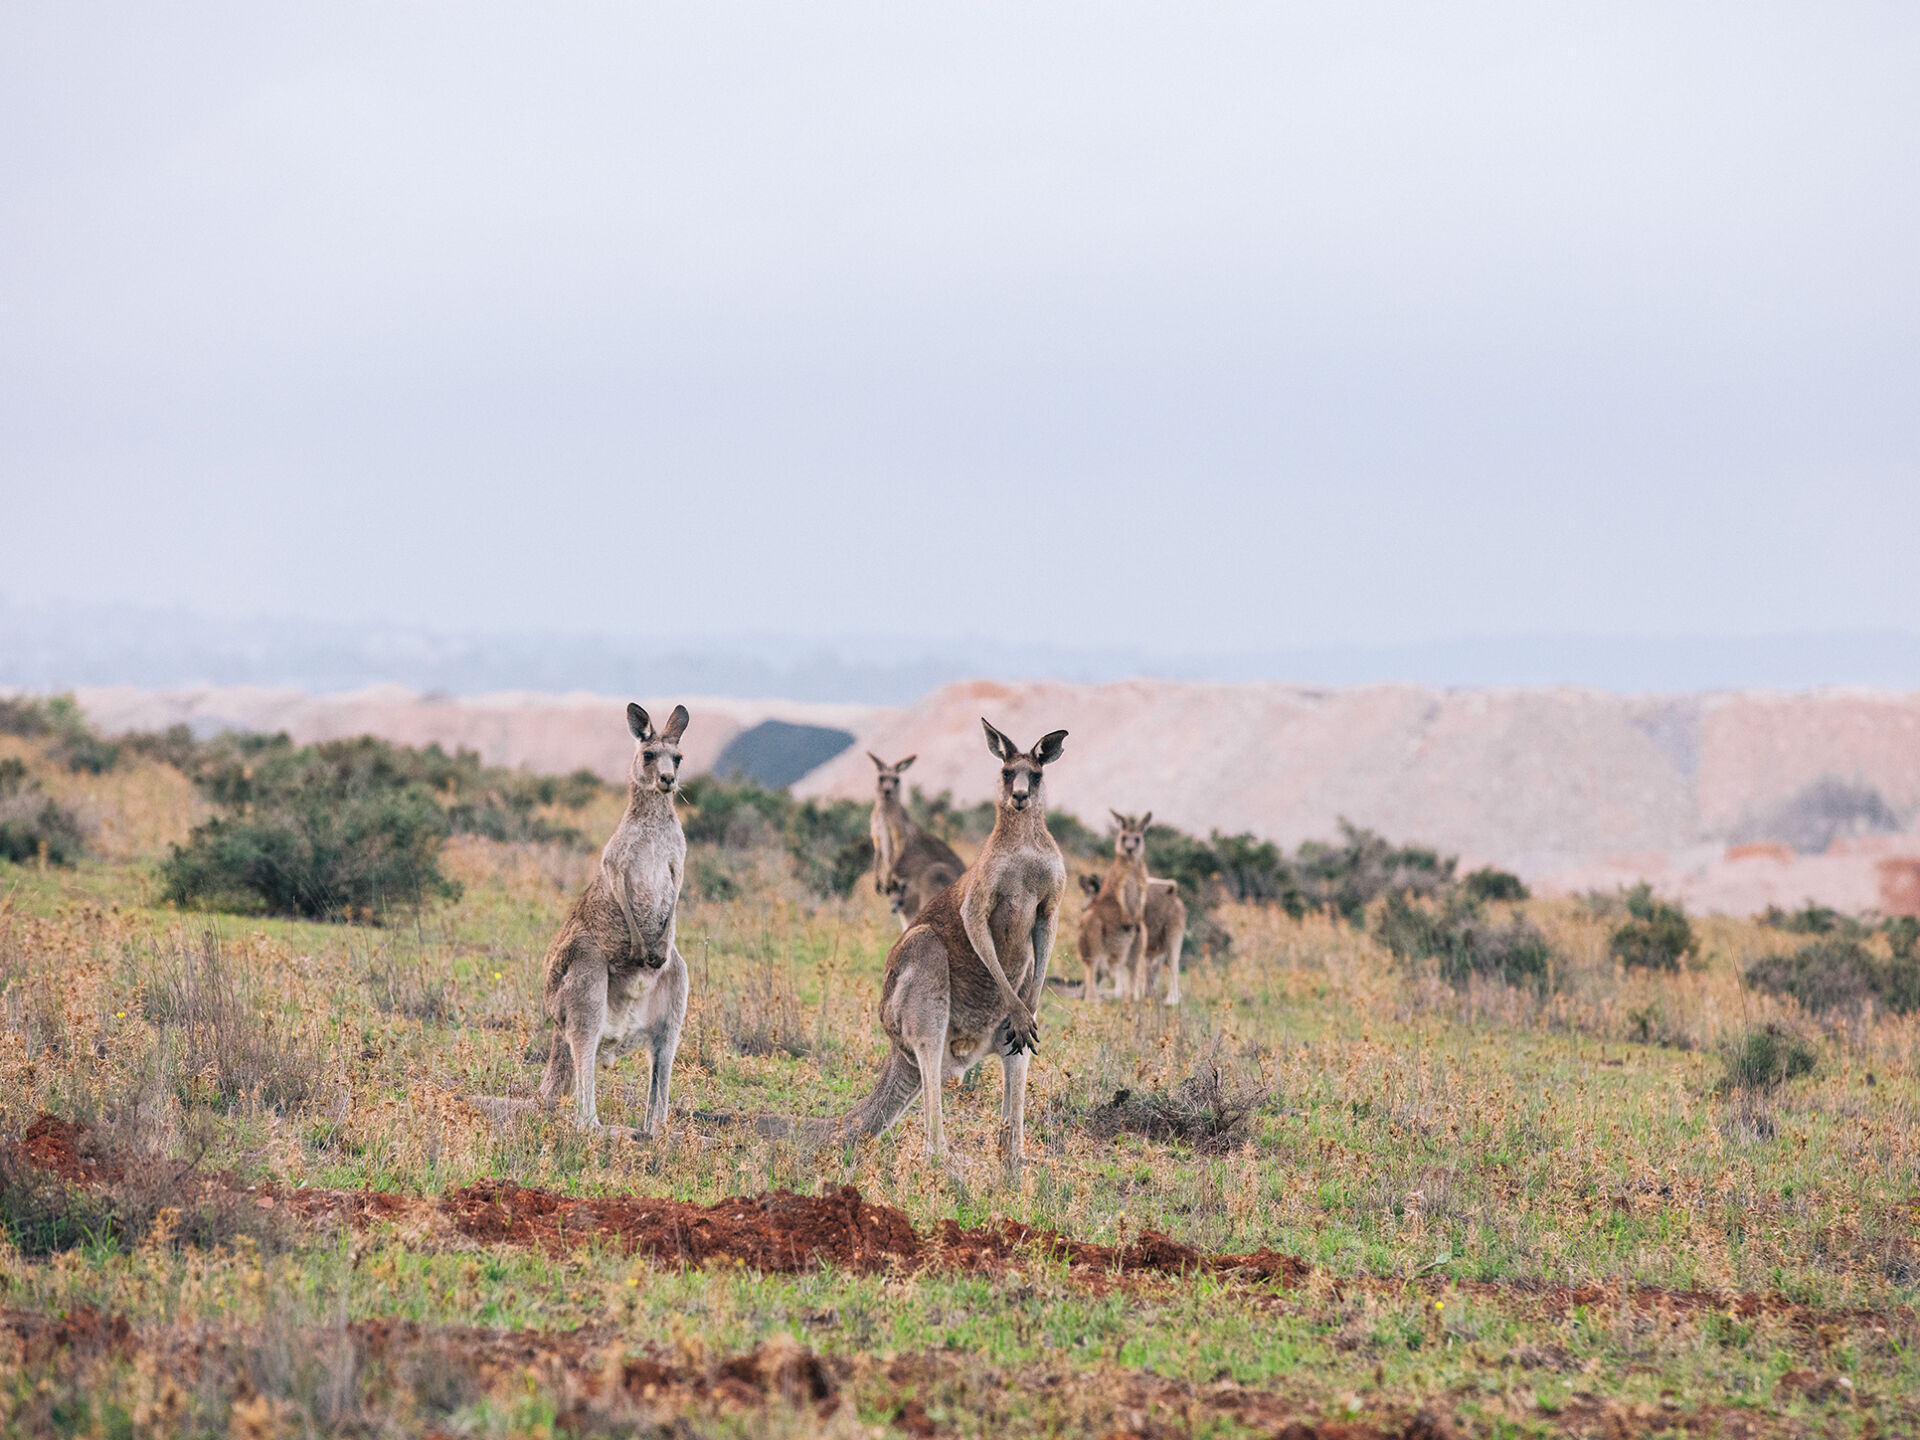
(1113, 930)
(967, 975)
(1166, 936)
(904, 852)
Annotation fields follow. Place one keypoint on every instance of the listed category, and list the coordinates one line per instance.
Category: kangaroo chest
(643, 868)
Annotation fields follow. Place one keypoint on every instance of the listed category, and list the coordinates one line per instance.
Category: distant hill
(1546, 781)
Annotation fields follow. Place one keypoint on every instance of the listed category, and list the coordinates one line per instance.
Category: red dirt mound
(67, 1149)
(775, 1231)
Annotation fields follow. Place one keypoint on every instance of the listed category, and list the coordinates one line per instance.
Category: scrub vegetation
(1417, 1155)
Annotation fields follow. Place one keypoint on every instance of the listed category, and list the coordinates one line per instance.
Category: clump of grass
(1840, 974)
(1656, 935)
(33, 824)
(762, 1014)
(397, 989)
(1457, 935)
(225, 1042)
(1762, 1058)
(1208, 1110)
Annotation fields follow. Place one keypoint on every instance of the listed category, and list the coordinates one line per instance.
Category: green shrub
(1078, 839)
(1840, 974)
(32, 824)
(1488, 883)
(25, 717)
(336, 831)
(1655, 935)
(1455, 933)
(1764, 1058)
(75, 744)
(1343, 879)
(826, 841)
(1903, 935)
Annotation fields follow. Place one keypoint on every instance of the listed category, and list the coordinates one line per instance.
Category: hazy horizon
(53, 647)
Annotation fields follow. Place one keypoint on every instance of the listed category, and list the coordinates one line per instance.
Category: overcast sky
(1186, 326)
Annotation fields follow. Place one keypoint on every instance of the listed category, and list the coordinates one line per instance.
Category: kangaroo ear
(1049, 747)
(676, 725)
(638, 722)
(1002, 747)
(908, 761)
(1118, 818)
(878, 763)
(1146, 820)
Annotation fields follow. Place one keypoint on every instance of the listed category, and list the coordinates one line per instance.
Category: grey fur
(910, 866)
(614, 981)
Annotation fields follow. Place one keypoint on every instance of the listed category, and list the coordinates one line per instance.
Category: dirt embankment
(1567, 786)
(553, 734)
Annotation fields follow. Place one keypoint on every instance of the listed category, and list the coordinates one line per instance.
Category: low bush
(1840, 974)
(1208, 1110)
(826, 841)
(1489, 884)
(33, 824)
(75, 745)
(1456, 935)
(1763, 1058)
(325, 853)
(1343, 879)
(1656, 935)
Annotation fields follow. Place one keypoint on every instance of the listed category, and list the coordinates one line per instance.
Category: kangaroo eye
(1006, 774)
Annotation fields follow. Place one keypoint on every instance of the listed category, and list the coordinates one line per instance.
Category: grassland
(1521, 1212)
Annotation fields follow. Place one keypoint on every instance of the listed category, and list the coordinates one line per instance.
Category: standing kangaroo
(614, 979)
(1166, 937)
(1113, 930)
(904, 855)
(967, 975)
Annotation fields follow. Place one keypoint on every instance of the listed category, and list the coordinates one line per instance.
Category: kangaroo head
(897, 895)
(1131, 842)
(1020, 772)
(656, 754)
(887, 783)
(1090, 884)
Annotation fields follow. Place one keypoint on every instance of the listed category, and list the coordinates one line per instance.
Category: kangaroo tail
(896, 1089)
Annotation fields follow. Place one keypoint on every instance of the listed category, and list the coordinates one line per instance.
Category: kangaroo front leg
(1024, 1026)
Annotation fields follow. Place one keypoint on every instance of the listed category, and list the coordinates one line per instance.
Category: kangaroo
(902, 850)
(967, 974)
(909, 897)
(1113, 930)
(614, 979)
(1166, 936)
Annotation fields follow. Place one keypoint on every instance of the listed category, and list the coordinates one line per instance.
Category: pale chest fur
(643, 863)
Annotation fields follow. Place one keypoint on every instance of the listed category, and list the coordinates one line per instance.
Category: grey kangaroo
(967, 975)
(910, 866)
(614, 980)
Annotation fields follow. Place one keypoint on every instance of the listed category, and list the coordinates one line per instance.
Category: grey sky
(1194, 327)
